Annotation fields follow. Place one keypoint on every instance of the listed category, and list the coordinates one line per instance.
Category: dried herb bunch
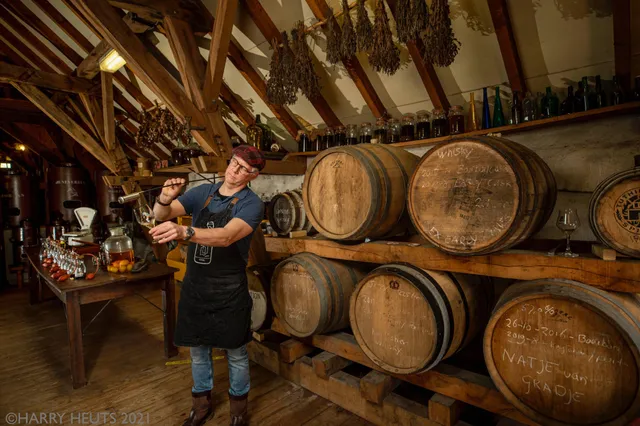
(333, 40)
(281, 88)
(363, 28)
(157, 123)
(384, 56)
(348, 45)
(306, 78)
(404, 20)
(441, 46)
(419, 18)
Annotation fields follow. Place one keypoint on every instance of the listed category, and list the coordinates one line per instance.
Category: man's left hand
(167, 231)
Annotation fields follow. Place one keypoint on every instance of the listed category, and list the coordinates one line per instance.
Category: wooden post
(107, 110)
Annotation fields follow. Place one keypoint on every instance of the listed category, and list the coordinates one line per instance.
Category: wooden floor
(127, 372)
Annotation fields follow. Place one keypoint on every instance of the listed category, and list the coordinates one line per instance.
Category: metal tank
(19, 199)
(68, 187)
(110, 210)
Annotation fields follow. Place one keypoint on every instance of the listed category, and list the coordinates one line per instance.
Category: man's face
(239, 172)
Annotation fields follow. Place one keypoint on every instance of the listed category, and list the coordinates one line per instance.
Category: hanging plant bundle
(333, 40)
(404, 20)
(384, 56)
(288, 63)
(419, 18)
(279, 92)
(440, 43)
(306, 78)
(348, 44)
(157, 123)
(363, 28)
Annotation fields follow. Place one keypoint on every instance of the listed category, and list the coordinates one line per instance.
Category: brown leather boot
(238, 409)
(201, 408)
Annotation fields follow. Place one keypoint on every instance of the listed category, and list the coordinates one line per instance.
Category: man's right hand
(169, 193)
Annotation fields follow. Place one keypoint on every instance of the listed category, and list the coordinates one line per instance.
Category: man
(215, 305)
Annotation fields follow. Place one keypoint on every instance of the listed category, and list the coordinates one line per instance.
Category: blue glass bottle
(486, 114)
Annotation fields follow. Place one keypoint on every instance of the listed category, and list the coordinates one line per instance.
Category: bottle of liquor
(617, 96)
(551, 104)
(601, 97)
(267, 134)
(516, 109)
(635, 95)
(568, 106)
(255, 134)
(589, 100)
(529, 108)
(486, 115)
(498, 115)
(472, 119)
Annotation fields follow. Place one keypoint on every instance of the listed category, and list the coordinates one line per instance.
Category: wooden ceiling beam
(71, 31)
(39, 99)
(622, 41)
(322, 11)
(39, 46)
(12, 55)
(18, 46)
(146, 67)
(10, 73)
(108, 111)
(270, 32)
(25, 135)
(156, 10)
(220, 38)
(506, 39)
(425, 69)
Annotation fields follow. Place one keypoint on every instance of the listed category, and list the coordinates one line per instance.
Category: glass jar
(408, 128)
(304, 143)
(329, 138)
(318, 143)
(365, 132)
(395, 130)
(341, 136)
(456, 120)
(352, 134)
(439, 124)
(423, 126)
(380, 133)
(118, 246)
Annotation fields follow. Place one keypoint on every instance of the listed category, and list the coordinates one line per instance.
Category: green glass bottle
(551, 104)
(498, 115)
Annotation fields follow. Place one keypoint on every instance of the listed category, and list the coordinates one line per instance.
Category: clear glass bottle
(79, 268)
(529, 108)
(516, 109)
(600, 95)
(423, 126)
(439, 124)
(395, 130)
(365, 132)
(380, 132)
(352, 134)
(408, 127)
(456, 120)
(118, 246)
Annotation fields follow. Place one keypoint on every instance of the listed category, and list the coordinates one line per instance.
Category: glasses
(234, 163)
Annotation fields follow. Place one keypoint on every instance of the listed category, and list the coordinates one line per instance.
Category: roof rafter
(49, 80)
(506, 39)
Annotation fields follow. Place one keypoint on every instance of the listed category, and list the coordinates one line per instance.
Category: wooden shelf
(620, 275)
(462, 385)
(210, 164)
(531, 125)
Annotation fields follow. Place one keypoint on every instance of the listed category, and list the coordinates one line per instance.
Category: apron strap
(206, 203)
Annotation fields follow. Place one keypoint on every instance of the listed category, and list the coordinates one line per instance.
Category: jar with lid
(456, 120)
(423, 126)
(318, 142)
(118, 246)
(352, 134)
(341, 136)
(329, 138)
(380, 132)
(395, 130)
(440, 124)
(408, 128)
(304, 143)
(365, 132)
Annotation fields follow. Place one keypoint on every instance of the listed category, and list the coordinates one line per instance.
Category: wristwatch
(189, 232)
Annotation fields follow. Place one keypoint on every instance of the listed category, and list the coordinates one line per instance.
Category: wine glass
(145, 217)
(568, 222)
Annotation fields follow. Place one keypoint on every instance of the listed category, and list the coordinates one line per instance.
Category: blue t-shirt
(249, 208)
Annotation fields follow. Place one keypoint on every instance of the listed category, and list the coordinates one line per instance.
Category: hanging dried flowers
(419, 18)
(363, 28)
(441, 46)
(306, 78)
(384, 56)
(348, 45)
(158, 122)
(333, 40)
(404, 20)
(281, 89)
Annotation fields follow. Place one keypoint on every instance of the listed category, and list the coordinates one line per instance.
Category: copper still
(110, 210)
(68, 187)
(19, 199)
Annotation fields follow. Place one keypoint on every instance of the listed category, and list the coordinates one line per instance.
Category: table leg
(35, 288)
(74, 330)
(169, 308)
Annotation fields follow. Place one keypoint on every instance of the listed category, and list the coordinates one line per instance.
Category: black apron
(215, 304)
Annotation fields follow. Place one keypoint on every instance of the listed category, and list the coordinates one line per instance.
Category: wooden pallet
(370, 397)
(461, 385)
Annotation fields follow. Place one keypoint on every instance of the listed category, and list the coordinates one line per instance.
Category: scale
(85, 216)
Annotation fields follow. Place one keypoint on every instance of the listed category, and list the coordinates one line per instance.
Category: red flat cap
(251, 155)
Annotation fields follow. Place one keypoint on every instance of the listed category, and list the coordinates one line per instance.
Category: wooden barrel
(286, 213)
(310, 294)
(614, 212)
(259, 278)
(408, 319)
(355, 192)
(478, 195)
(564, 353)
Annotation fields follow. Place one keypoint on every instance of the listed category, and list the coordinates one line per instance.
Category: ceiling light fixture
(112, 61)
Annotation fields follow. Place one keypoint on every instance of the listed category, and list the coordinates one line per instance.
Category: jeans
(202, 369)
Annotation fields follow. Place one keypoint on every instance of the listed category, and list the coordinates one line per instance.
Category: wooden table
(105, 286)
